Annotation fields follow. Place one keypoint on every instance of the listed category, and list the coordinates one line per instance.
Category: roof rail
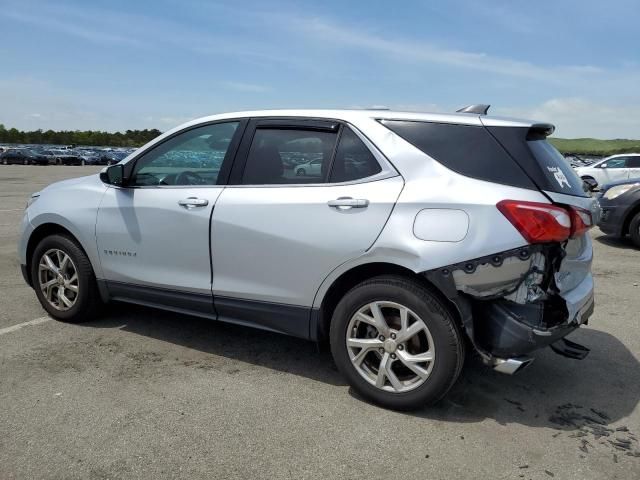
(479, 109)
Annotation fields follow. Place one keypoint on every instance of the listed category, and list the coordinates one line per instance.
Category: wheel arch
(633, 211)
(42, 231)
(358, 274)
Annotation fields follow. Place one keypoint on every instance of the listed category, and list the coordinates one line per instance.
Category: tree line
(129, 138)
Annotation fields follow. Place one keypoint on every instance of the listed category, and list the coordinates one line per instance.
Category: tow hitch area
(569, 349)
(511, 304)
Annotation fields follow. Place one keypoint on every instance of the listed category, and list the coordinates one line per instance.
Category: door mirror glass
(113, 175)
(603, 165)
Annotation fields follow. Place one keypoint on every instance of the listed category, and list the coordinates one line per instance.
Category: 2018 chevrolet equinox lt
(418, 237)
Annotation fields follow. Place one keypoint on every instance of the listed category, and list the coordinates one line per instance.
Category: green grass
(593, 146)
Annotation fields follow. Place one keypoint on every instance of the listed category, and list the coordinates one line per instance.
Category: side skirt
(275, 317)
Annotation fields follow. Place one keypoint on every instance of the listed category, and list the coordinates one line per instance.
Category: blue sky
(141, 64)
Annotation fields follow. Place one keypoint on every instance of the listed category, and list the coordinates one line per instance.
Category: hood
(619, 182)
(89, 180)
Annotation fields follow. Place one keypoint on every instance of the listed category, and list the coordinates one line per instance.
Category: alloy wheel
(58, 279)
(390, 346)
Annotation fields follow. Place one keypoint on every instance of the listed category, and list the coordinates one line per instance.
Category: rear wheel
(301, 172)
(634, 230)
(396, 343)
(63, 279)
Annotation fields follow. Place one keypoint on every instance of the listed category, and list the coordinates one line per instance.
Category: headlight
(614, 192)
(32, 199)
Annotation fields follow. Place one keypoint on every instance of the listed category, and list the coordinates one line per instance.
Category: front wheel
(396, 343)
(63, 279)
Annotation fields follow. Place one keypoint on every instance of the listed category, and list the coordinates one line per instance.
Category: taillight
(544, 222)
(581, 221)
(537, 222)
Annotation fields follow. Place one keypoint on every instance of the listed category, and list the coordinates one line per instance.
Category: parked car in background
(23, 156)
(610, 169)
(112, 157)
(620, 203)
(419, 236)
(67, 157)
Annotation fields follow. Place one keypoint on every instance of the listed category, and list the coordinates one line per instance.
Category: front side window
(288, 156)
(619, 162)
(193, 157)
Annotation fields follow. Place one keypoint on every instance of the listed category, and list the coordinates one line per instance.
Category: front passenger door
(153, 233)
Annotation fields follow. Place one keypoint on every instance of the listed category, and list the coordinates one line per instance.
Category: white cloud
(580, 117)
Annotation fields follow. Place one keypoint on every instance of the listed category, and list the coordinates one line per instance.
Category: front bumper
(612, 219)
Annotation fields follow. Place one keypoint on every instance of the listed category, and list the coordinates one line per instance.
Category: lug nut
(393, 336)
(393, 355)
(400, 347)
(381, 338)
(381, 350)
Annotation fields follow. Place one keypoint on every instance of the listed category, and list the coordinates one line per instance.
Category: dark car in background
(620, 203)
(23, 156)
(68, 157)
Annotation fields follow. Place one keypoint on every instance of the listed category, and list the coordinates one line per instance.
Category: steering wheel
(189, 178)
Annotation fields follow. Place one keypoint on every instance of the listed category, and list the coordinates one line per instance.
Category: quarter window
(288, 156)
(193, 157)
(353, 159)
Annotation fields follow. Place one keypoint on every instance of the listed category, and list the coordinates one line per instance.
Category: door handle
(192, 202)
(345, 203)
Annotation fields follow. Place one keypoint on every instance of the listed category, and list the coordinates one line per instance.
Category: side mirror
(113, 175)
(603, 165)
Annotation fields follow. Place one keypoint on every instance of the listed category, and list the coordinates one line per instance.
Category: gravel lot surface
(145, 394)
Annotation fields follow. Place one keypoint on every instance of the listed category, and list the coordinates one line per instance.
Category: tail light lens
(537, 222)
(543, 222)
(581, 221)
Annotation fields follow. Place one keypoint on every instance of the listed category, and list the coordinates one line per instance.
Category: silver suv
(416, 238)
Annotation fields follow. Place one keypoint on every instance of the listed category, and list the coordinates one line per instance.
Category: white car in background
(611, 169)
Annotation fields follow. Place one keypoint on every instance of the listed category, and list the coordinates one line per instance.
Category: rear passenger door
(634, 166)
(277, 233)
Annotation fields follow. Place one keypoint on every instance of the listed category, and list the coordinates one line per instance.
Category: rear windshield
(559, 174)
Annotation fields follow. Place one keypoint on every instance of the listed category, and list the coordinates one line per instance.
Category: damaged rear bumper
(515, 302)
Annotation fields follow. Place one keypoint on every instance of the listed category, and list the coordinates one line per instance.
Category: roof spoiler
(479, 109)
(540, 131)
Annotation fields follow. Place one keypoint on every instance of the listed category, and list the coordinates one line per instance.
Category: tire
(25, 162)
(442, 337)
(301, 172)
(5, 162)
(634, 230)
(86, 302)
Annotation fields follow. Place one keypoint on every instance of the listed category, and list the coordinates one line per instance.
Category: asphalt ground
(141, 393)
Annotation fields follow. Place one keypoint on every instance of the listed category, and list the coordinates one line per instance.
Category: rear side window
(289, 156)
(353, 159)
(634, 162)
(466, 149)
